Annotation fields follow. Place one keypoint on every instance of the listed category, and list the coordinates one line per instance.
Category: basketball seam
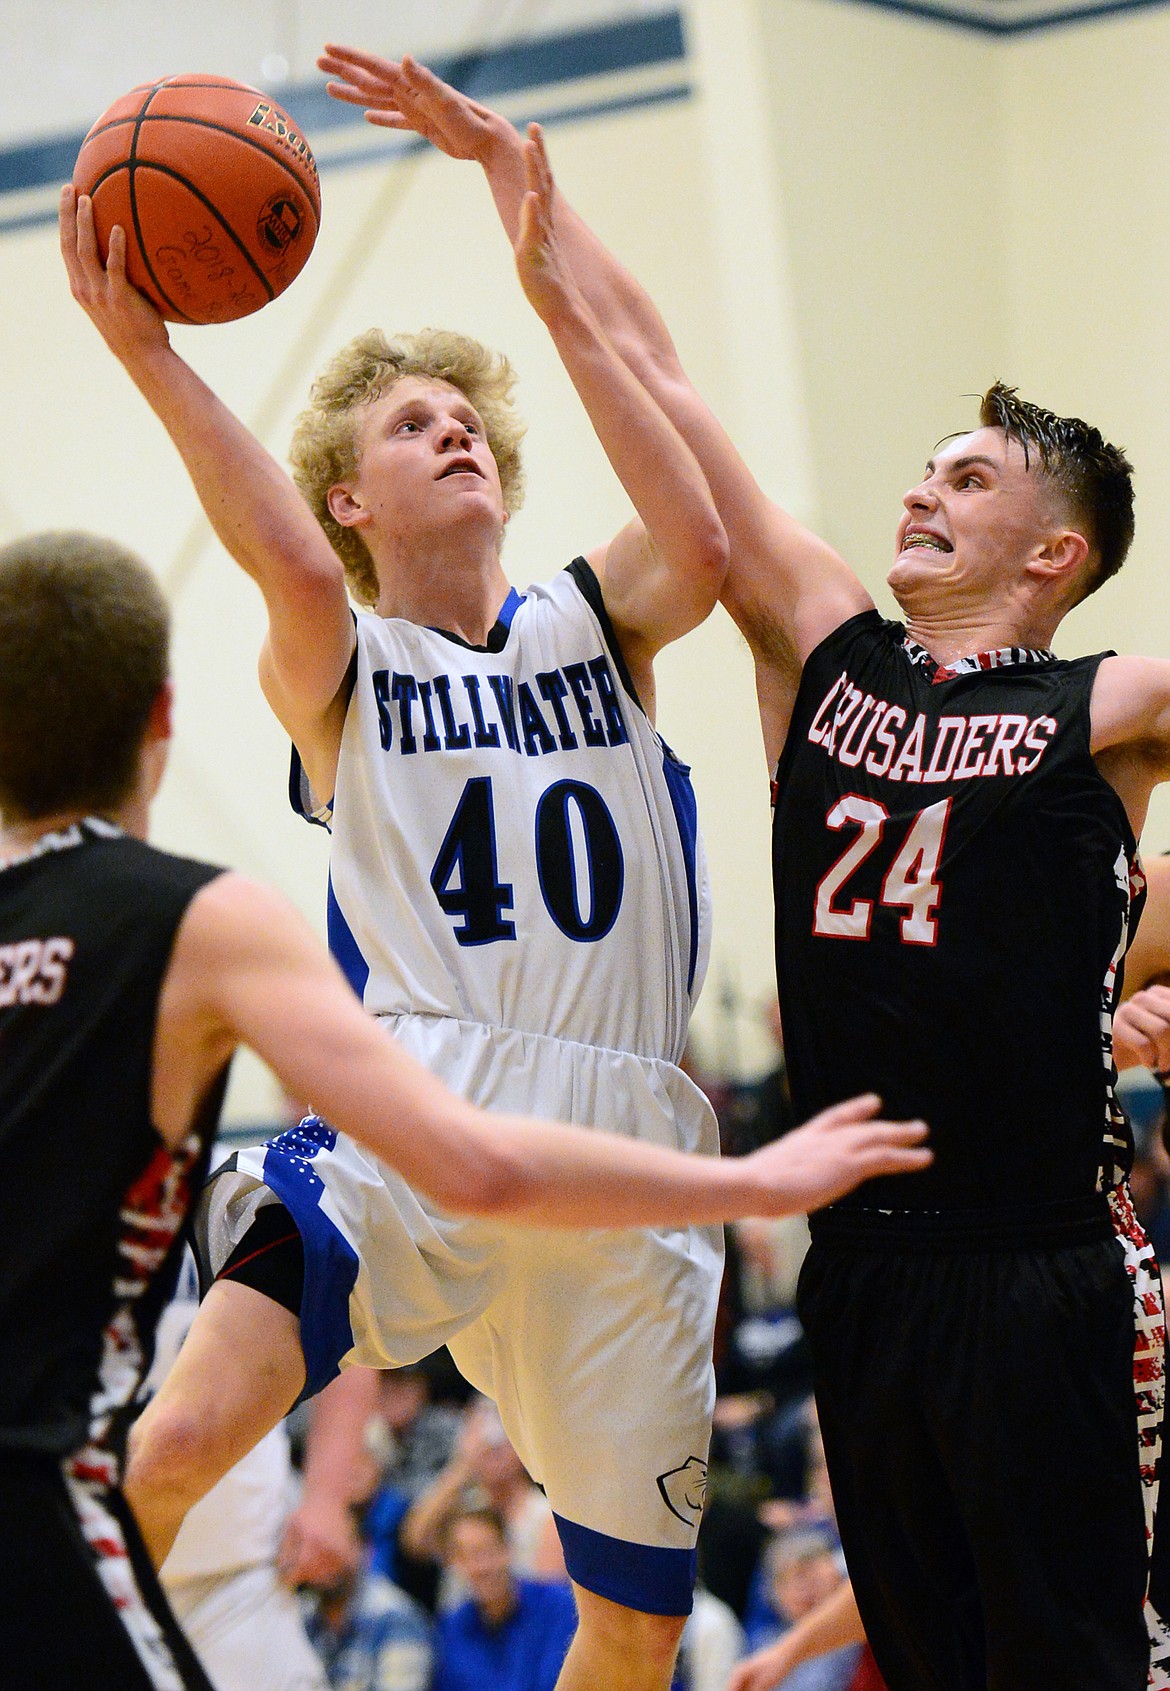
(143, 118)
(131, 167)
(165, 170)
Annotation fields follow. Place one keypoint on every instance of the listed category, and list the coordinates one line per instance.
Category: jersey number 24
(911, 880)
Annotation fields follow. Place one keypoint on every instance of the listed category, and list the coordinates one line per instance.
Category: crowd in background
(456, 1581)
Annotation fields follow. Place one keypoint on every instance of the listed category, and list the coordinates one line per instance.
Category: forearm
(833, 1625)
(422, 1525)
(248, 498)
(335, 1441)
(632, 321)
(653, 463)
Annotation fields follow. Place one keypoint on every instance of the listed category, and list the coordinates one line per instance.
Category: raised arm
(661, 575)
(247, 969)
(250, 501)
(785, 587)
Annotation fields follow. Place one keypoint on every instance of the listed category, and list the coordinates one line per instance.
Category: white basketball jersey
(513, 844)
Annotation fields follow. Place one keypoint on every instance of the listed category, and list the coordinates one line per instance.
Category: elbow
(717, 554)
(487, 1177)
(710, 558)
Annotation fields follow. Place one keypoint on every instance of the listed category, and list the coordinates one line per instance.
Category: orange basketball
(215, 187)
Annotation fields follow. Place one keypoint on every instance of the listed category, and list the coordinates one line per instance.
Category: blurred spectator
(802, 1570)
(1149, 1179)
(830, 1626)
(760, 1111)
(712, 1642)
(369, 1635)
(411, 1438)
(484, 1469)
(511, 1633)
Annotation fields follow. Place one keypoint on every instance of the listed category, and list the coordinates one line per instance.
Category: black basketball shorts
(80, 1606)
(977, 1403)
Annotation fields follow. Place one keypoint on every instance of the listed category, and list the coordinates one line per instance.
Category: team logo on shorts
(683, 1489)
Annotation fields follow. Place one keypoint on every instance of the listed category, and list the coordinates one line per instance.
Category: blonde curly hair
(326, 437)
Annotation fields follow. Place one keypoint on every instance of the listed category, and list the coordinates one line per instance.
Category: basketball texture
(215, 187)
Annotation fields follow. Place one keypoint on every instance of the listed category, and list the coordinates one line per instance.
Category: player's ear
(160, 722)
(1062, 556)
(345, 507)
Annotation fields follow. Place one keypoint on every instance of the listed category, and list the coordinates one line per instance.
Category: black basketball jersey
(955, 885)
(92, 1203)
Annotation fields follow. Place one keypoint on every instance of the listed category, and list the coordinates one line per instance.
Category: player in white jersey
(553, 945)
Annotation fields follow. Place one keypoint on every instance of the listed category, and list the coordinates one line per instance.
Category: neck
(444, 588)
(17, 838)
(954, 620)
(497, 1608)
(948, 638)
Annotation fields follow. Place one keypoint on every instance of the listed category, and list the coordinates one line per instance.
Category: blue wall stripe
(634, 44)
(985, 24)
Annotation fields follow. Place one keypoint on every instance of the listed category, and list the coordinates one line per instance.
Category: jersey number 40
(579, 864)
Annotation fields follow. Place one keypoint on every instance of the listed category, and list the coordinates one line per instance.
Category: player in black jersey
(127, 978)
(956, 873)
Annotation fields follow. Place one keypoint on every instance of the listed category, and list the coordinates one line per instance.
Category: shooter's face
(971, 525)
(425, 462)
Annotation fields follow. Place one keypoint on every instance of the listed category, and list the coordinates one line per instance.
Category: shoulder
(236, 930)
(118, 865)
(1130, 700)
(864, 637)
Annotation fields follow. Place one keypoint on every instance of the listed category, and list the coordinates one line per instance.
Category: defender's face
(425, 460)
(972, 523)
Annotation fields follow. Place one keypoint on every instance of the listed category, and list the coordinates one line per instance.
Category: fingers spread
(853, 1109)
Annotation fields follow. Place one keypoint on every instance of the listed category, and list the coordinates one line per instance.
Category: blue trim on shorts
(647, 1577)
(331, 1263)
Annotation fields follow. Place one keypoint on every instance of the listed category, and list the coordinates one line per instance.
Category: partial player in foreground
(127, 978)
(956, 876)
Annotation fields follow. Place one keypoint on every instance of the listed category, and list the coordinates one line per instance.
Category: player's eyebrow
(966, 463)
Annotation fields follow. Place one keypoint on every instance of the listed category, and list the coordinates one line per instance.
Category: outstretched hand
(405, 95)
(836, 1151)
(125, 319)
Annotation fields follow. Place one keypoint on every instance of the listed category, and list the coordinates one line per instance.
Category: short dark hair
(84, 637)
(1096, 477)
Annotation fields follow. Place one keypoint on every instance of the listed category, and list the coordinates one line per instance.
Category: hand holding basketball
(125, 318)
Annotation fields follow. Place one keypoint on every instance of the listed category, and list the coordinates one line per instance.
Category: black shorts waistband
(1069, 1221)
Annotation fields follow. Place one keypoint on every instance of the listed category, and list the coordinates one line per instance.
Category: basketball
(215, 187)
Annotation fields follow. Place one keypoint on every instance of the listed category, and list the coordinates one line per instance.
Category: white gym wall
(854, 219)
